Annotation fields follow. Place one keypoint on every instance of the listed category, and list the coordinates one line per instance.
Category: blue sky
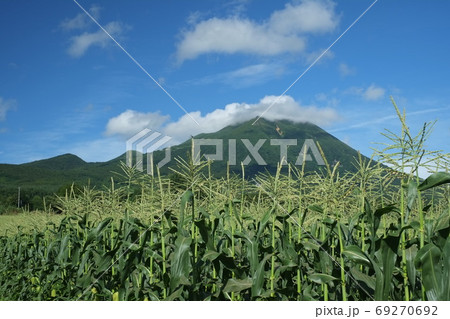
(66, 87)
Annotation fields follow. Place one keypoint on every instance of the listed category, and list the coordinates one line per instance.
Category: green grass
(27, 222)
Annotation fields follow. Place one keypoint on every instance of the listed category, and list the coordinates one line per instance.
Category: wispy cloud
(371, 93)
(79, 44)
(384, 119)
(248, 76)
(346, 70)
(5, 106)
(284, 32)
(80, 21)
(324, 55)
(236, 7)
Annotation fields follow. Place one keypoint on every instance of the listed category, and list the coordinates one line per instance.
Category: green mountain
(46, 177)
(268, 135)
(61, 162)
(52, 173)
(260, 146)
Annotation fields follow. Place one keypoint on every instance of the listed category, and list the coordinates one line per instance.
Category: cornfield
(367, 235)
(278, 238)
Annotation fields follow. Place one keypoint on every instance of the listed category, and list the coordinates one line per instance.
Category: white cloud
(81, 43)
(81, 20)
(373, 93)
(5, 106)
(286, 107)
(234, 35)
(283, 32)
(308, 16)
(130, 122)
(346, 70)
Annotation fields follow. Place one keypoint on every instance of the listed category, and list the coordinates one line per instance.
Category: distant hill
(48, 175)
(52, 173)
(61, 162)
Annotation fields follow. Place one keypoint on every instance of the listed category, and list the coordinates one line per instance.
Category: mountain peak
(262, 145)
(263, 128)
